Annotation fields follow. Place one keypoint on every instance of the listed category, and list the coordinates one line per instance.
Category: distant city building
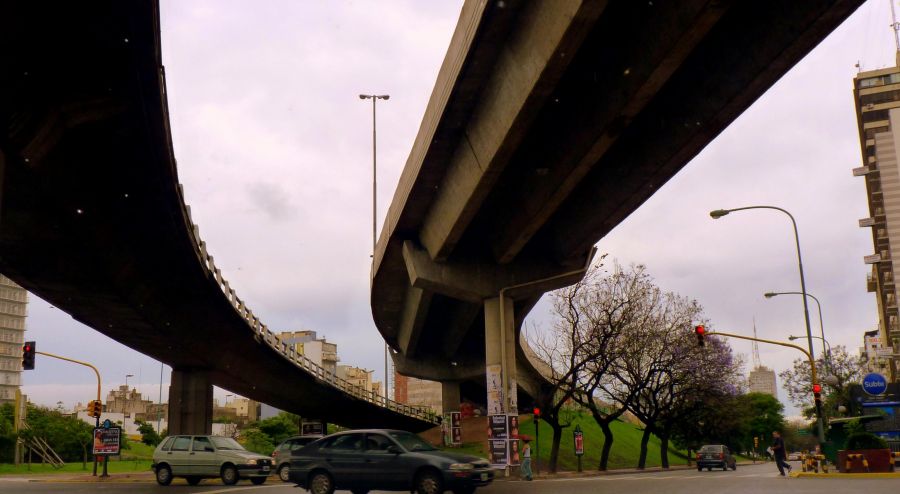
(873, 350)
(359, 377)
(13, 303)
(762, 380)
(877, 96)
(319, 351)
(412, 391)
(243, 409)
(127, 401)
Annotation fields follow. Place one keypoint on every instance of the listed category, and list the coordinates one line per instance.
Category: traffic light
(537, 412)
(28, 355)
(95, 408)
(817, 394)
(700, 331)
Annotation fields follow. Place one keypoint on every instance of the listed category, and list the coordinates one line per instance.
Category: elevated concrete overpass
(92, 217)
(549, 123)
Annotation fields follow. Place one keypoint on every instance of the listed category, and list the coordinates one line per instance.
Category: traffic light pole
(812, 367)
(97, 373)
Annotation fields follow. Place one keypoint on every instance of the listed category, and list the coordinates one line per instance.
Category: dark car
(387, 460)
(281, 456)
(715, 456)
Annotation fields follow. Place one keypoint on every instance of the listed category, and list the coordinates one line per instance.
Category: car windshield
(226, 443)
(411, 442)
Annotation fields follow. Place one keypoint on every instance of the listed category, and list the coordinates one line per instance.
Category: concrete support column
(500, 356)
(450, 397)
(190, 402)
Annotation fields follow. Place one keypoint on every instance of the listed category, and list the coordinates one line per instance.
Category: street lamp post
(825, 345)
(126, 380)
(718, 213)
(825, 349)
(374, 98)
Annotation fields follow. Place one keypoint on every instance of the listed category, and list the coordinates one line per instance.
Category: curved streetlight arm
(821, 321)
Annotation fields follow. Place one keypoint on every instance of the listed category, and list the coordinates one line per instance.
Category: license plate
(484, 477)
(265, 468)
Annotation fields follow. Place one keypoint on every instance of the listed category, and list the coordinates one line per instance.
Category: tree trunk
(84, 457)
(607, 444)
(642, 458)
(664, 451)
(554, 447)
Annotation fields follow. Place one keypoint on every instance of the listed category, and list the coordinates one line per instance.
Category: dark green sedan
(388, 460)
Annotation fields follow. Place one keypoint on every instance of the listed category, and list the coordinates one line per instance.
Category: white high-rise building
(13, 302)
(762, 380)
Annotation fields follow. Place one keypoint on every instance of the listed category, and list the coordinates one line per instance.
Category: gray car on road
(196, 457)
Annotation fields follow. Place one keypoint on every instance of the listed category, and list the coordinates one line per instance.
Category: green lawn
(136, 458)
(624, 454)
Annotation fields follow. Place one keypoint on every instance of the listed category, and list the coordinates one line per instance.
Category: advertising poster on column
(497, 452)
(456, 428)
(494, 389)
(514, 452)
(107, 440)
(512, 422)
(497, 427)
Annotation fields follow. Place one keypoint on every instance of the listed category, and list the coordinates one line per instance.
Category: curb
(880, 475)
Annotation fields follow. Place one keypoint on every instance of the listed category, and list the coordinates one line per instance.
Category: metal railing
(262, 334)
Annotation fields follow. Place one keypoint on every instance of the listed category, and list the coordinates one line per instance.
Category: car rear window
(711, 449)
(182, 443)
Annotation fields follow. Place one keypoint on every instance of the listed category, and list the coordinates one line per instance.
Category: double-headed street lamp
(126, 379)
(718, 213)
(826, 349)
(824, 345)
(374, 98)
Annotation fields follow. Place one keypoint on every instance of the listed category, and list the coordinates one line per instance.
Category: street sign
(874, 384)
(579, 441)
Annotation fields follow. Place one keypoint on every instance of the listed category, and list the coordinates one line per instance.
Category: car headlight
(251, 462)
(462, 466)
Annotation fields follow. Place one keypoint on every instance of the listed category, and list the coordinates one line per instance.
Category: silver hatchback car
(196, 457)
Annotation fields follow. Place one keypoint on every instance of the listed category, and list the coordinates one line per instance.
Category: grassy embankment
(136, 458)
(624, 454)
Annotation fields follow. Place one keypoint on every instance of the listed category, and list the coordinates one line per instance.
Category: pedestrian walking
(779, 453)
(526, 459)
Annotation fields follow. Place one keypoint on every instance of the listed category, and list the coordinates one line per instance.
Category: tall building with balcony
(877, 96)
(13, 303)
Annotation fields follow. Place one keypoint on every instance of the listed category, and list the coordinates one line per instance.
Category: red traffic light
(537, 412)
(700, 331)
(817, 388)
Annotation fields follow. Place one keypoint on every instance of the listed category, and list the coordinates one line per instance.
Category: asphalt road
(746, 480)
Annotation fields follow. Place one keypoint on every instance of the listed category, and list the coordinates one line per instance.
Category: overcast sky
(274, 151)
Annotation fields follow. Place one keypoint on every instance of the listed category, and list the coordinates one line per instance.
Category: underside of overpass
(92, 218)
(550, 122)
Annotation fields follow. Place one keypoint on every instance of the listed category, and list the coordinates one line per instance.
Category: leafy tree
(846, 368)
(257, 441)
(280, 427)
(64, 433)
(149, 436)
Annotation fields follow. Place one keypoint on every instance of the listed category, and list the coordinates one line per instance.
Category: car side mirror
(393, 450)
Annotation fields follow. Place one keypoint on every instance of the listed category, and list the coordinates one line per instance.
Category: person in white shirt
(526, 459)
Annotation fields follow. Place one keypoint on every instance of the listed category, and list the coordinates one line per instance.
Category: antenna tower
(896, 27)
(756, 362)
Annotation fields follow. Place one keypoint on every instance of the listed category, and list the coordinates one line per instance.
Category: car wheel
(192, 480)
(229, 475)
(284, 473)
(258, 480)
(163, 475)
(321, 483)
(429, 483)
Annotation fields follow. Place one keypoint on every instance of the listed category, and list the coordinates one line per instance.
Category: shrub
(865, 440)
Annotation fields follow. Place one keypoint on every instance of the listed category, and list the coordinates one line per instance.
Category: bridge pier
(450, 397)
(500, 356)
(190, 402)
